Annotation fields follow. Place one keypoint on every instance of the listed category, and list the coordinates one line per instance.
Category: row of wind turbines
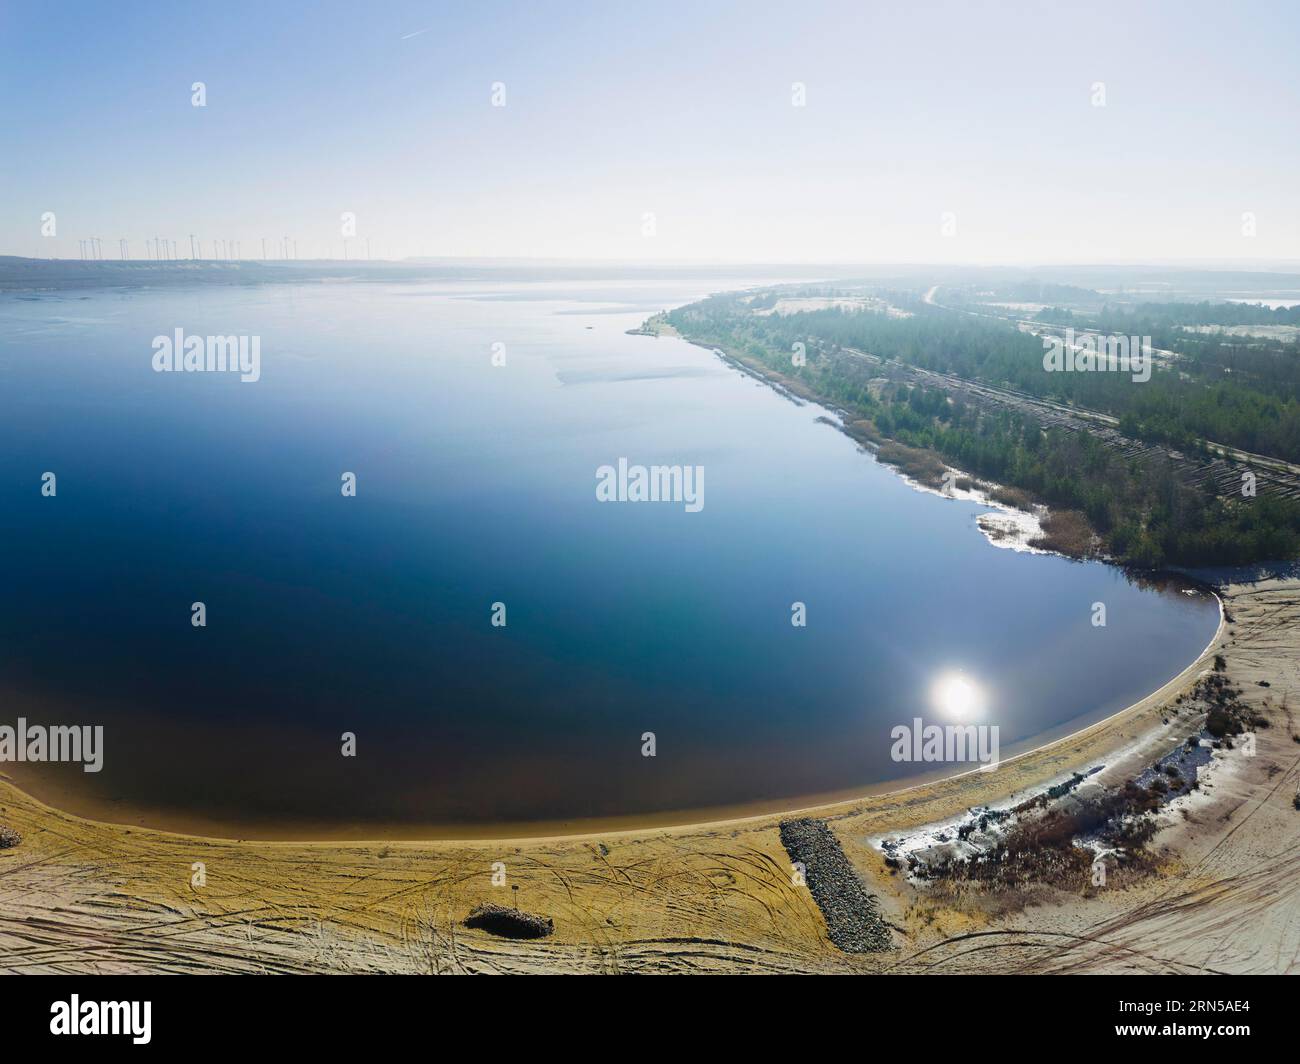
(161, 249)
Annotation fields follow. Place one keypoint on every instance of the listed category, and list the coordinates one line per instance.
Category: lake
(372, 614)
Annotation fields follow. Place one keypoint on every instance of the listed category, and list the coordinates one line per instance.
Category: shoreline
(60, 798)
(706, 818)
(90, 896)
(96, 897)
(1007, 525)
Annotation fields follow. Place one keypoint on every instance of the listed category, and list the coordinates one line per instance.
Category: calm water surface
(476, 484)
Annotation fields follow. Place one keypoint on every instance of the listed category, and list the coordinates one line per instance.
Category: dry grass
(925, 467)
(1067, 532)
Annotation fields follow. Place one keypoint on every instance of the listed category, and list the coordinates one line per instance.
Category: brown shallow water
(49, 784)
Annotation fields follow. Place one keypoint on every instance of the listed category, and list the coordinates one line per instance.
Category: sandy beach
(671, 489)
(83, 896)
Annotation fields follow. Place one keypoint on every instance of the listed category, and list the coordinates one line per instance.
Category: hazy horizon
(1247, 265)
(710, 133)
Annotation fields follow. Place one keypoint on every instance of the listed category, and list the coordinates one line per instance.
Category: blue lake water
(476, 484)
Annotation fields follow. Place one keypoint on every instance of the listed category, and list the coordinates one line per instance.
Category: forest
(1144, 510)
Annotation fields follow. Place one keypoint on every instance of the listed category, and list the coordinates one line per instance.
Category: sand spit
(81, 896)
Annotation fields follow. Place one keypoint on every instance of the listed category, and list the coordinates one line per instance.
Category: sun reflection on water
(958, 697)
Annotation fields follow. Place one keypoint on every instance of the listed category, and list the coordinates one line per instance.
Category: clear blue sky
(684, 110)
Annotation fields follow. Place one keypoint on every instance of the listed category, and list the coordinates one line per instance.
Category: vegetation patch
(924, 466)
(972, 392)
(1067, 532)
(1058, 838)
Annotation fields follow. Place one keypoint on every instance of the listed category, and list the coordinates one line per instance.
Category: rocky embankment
(852, 919)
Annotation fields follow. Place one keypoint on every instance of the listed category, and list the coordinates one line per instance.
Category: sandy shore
(82, 896)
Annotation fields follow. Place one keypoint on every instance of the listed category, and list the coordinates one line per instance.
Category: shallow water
(475, 485)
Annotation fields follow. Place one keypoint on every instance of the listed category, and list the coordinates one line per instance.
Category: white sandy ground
(801, 304)
(1004, 526)
(1285, 333)
(82, 896)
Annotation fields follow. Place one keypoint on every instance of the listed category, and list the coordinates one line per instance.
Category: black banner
(332, 1013)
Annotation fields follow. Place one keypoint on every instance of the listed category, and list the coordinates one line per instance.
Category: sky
(965, 132)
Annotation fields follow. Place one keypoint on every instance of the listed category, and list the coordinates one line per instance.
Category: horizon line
(1246, 264)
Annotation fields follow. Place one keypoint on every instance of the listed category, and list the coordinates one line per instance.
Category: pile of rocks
(509, 923)
(852, 921)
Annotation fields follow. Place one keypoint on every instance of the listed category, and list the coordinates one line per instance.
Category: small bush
(1220, 723)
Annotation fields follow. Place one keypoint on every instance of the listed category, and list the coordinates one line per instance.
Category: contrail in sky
(408, 36)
